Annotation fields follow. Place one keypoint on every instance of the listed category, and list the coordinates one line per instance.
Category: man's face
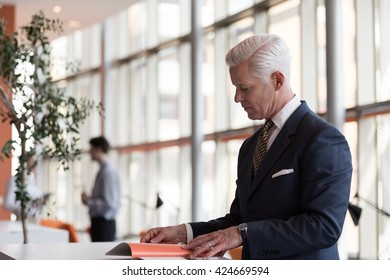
(256, 97)
(93, 151)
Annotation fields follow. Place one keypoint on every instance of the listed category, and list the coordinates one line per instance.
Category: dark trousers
(102, 229)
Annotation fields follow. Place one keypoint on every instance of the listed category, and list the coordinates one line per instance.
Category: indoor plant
(46, 119)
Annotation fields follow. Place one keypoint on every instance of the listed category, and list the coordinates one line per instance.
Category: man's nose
(238, 97)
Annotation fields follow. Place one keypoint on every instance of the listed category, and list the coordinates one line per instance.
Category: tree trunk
(24, 222)
(23, 186)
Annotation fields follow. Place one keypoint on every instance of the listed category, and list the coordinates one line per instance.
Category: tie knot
(267, 126)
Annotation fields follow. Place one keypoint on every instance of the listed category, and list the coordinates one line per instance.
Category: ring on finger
(208, 243)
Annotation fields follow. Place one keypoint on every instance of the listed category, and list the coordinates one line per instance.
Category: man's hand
(215, 243)
(84, 198)
(172, 235)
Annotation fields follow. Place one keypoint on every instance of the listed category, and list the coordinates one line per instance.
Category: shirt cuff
(190, 233)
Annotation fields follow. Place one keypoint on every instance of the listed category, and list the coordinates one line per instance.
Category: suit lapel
(281, 143)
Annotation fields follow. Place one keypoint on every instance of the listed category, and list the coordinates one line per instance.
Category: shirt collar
(283, 115)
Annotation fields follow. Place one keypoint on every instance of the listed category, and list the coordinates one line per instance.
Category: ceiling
(75, 14)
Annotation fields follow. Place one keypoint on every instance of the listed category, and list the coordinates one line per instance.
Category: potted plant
(46, 119)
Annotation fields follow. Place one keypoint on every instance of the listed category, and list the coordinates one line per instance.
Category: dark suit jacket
(297, 213)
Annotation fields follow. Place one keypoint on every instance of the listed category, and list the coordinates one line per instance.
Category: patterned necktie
(261, 145)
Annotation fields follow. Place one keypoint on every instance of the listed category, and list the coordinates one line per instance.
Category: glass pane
(239, 31)
(137, 103)
(365, 52)
(368, 223)
(185, 90)
(235, 6)
(350, 240)
(233, 148)
(221, 9)
(136, 192)
(121, 47)
(321, 68)
(87, 87)
(208, 194)
(168, 19)
(169, 169)
(208, 12)
(285, 22)
(136, 27)
(151, 98)
(93, 38)
(383, 48)
(168, 88)
(384, 183)
(120, 95)
(59, 57)
(208, 84)
(76, 47)
(349, 53)
(185, 17)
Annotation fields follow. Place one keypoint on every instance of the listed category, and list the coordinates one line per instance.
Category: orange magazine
(144, 250)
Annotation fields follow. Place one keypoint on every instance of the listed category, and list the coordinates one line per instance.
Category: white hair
(268, 53)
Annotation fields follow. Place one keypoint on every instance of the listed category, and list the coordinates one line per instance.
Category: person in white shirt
(37, 199)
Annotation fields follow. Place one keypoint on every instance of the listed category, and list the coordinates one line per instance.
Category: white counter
(12, 232)
(59, 251)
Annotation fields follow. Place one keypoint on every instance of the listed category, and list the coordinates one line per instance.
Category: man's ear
(278, 79)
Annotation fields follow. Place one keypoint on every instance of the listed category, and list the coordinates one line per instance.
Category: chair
(61, 225)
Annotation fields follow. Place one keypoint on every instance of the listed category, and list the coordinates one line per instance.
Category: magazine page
(149, 250)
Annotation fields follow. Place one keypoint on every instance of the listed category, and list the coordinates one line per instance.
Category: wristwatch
(243, 228)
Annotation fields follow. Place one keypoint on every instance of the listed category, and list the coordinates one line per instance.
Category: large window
(138, 63)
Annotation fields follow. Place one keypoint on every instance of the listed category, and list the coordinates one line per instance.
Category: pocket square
(282, 172)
